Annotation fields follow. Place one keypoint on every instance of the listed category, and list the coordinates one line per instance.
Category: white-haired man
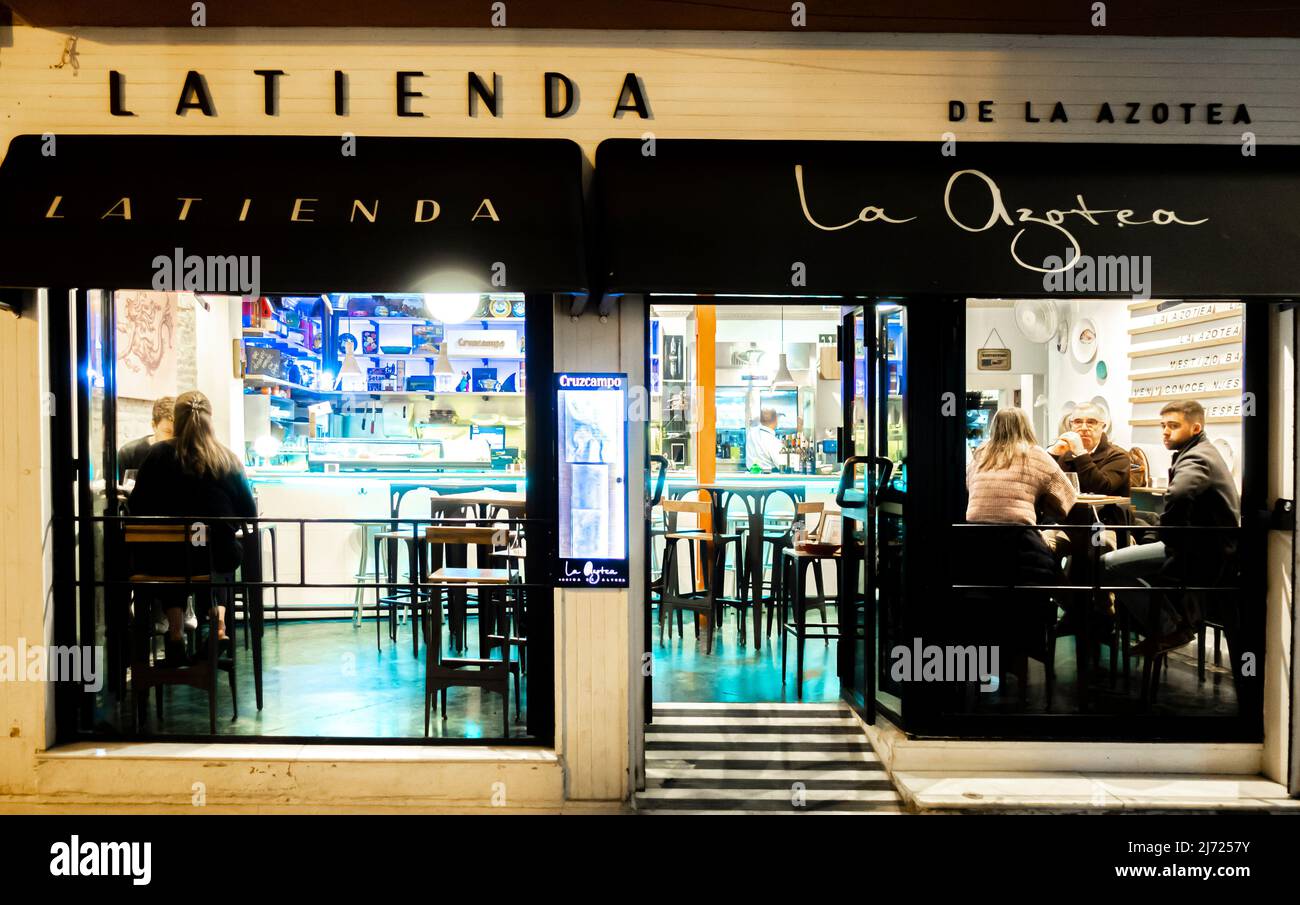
(1103, 468)
(1084, 449)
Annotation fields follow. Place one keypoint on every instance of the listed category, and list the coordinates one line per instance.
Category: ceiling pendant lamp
(782, 379)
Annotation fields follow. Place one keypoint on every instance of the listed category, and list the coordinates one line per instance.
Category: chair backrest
(191, 558)
(1139, 469)
(817, 509)
(697, 507)
(467, 535)
(154, 534)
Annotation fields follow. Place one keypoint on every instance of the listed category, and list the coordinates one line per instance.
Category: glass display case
(375, 455)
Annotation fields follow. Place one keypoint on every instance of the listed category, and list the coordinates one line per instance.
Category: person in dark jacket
(1102, 467)
(132, 455)
(1085, 449)
(194, 476)
(1201, 494)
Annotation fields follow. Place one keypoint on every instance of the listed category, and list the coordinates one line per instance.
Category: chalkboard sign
(266, 361)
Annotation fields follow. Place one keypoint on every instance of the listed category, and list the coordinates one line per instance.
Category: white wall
(1027, 359)
(1069, 380)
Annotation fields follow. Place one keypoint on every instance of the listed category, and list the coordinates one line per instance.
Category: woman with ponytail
(194, 476)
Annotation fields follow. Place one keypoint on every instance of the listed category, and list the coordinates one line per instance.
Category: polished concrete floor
(736, 673)
(325, 678)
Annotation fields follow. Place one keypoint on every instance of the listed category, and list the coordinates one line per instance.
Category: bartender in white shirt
(762, 448)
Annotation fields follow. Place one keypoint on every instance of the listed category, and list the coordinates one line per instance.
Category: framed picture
(146, 344)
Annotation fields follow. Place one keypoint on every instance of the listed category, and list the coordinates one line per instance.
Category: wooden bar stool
(145, 671)
(442, 673)
(706, 600)
(797, 562)
(779, 542)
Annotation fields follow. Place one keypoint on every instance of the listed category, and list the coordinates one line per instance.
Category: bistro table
(485, 505)
(755, 497)
(481, 499)
(1097, 500)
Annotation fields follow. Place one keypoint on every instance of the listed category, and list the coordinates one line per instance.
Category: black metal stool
(798, 562)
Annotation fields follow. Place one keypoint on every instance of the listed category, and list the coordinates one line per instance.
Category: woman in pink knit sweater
(1011, 477)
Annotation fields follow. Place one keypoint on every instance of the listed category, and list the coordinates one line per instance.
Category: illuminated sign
(591, 412)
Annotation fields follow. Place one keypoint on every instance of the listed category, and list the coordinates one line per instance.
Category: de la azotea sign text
(1184, 113)
(560, 95)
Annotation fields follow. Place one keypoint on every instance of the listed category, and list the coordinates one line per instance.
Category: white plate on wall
(1084, 341)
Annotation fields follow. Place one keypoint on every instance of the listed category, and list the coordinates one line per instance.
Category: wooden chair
(145, 671)
(705, 600)
(442, 673)
(780, 543)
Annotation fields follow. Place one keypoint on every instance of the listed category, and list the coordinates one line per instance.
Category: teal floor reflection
(733, 673)
(324, 678)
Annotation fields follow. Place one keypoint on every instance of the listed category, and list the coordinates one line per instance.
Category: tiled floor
(1069, 792)
(325, 678)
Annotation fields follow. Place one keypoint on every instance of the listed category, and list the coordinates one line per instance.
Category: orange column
(706, 379)
(706, 432)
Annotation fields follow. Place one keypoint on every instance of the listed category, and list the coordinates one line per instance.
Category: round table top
(1097, 499)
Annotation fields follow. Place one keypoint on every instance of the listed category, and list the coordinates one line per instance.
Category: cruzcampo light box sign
(592, 429)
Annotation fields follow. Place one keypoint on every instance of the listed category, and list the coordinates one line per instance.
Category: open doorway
(746, 435)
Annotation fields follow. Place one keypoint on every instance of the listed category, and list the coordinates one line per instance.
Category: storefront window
(380, 571)
(1099, 565)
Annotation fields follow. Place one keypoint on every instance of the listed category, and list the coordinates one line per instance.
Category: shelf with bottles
(295, 323)
(265, 380)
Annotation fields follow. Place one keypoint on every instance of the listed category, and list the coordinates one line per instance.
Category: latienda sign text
(560, 95)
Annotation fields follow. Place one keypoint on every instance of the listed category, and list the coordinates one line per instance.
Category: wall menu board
(591, 413)
(1190, 350)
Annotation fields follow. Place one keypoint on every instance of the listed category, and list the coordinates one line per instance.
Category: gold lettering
(491, 212)
(54, 206)
(420, 209)
(185, 207)
(868, 214)
(125, 205)
(243, 211)
(299, 209)
(368, 214)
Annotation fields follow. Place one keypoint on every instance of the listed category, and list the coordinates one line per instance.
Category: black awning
(888, 218)
(395, 215)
